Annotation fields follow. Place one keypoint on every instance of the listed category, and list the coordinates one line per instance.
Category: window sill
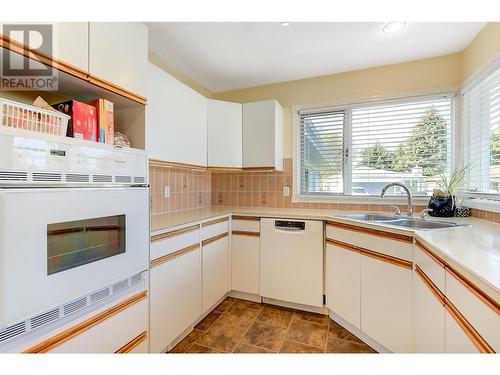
(482, 204)
(360, 199)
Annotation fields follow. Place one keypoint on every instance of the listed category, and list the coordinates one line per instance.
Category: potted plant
(443, 200)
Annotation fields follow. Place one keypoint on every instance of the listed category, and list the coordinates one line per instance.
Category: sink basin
(370, 217)
(423, 224)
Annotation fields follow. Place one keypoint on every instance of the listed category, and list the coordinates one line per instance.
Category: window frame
(297, 197)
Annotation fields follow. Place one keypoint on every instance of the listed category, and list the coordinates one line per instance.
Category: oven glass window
(75, 243)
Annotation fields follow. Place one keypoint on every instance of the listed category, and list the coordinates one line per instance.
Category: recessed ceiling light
(393, 27)
(285, 23)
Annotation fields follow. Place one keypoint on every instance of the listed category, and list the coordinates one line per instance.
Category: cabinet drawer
(482, 315)
(215, 227)
(396, 245)
(432, 266)
(169, 242)
(251, 224)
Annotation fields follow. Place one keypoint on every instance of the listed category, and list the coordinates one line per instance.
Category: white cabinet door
(225, 140)
(245, 264)
(118, 53)
(342, 282)
(215, 272)
(386, 294)
(263, 135)
(456, 339)
(70, 42)
(428, 319)
(176, 120)
(175, 288)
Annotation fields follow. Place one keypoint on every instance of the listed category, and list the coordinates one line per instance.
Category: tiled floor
(237, 326)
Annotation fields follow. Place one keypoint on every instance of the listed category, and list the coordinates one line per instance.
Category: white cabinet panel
(456, 339)
(176, 120)
(175, 298)
(214, 228)
(428, 319)
(263, 135)
(245, 264)
(386, 304)
(225, 140)
(431, 268)
(342, 282)
(118, 53)
(215, 272)
(185, 237)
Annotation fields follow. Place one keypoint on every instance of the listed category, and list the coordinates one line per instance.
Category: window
(481, 133)
(358, 149)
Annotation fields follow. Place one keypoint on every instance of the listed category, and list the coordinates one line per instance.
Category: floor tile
(341, 346)
(224, 334)
(186, 342)
(196, 348)
(265, 336)
(307, 333)
(295, 347)
(275, 316)
(336, 331)
(312, 317)
(248, 304)
(240, 313)
(245, 348)
(226, 304)
(208, 320)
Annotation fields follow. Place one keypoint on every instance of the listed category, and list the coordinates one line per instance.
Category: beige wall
(390, 80)
(484, 47)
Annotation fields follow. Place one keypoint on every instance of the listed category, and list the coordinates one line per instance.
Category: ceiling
(224, 56)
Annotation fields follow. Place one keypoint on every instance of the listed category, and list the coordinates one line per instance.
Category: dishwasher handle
(290, 225)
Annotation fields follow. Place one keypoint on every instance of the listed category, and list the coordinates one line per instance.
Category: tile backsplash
(188, 189)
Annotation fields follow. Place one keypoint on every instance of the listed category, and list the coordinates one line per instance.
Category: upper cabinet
(225, 134)
(118, 53)
(176, 120)
(263, 135)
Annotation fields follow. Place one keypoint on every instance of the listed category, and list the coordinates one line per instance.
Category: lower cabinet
(386, 300)
(428, 319)
(175, 296)
(457, 340)
(342, 283)
(215, 255)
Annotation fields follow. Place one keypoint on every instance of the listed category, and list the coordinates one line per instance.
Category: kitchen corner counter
(474, 250)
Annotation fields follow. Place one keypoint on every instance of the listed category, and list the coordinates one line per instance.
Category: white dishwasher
(291, 261)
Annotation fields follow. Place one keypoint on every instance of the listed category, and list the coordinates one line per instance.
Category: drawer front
(213, 228)
(483, 318)
(111, 334)
(172, 241)
(432, 267)
(383, 243)
(246, 225)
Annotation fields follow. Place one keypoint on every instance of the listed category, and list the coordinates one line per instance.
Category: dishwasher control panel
(292, 225)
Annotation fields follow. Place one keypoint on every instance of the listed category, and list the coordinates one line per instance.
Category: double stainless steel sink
(400, 221)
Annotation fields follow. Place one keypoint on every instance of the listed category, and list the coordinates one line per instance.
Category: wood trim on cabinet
(264, 169)
(490, 302)
(174, 233)
(117, 89)
(78, 329)
(166, 258)
(224, 169)
(215, 238)
(246, 218)
(374, 232)
(213, 222)
(245, 233)
(430, 253)
(373, 254)
(173, 164)
(128, 347)
(433, 288)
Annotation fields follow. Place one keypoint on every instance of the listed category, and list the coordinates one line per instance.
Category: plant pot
(442, 206)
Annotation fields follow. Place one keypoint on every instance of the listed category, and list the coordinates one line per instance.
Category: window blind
(481, 133)
(359, 149)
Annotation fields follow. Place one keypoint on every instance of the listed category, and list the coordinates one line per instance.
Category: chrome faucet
(408, 192)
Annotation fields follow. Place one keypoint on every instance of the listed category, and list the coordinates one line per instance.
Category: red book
(83, 123)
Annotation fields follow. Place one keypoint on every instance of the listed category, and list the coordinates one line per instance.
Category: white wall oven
(66, 244)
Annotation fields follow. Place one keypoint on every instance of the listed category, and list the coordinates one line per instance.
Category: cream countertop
(475, 250)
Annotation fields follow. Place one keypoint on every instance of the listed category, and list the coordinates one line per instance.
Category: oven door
(57, 244)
